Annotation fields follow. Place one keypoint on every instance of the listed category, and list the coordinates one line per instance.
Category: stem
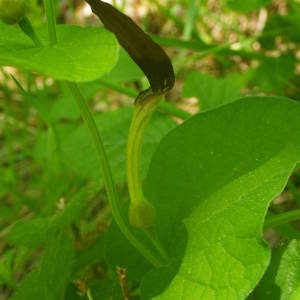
(89, 295)
(282, 218)
(141, 212)
(141, 115)
(51, 21)
(107, 174)
(188, 28)
(156, 243)
(108, 178)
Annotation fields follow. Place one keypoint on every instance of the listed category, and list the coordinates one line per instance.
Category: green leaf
(274, 74)
(211, 91)
(82, 54)
(6, 268)
(125, 69)
(49, 280)
(288, 276)
(79, 152)
(34, 232)
(29, 233)
(285, 26)
(211, 181)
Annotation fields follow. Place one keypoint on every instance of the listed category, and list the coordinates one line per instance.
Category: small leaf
(211, 91)
(34, 232)
(274, 74)
(82, 54)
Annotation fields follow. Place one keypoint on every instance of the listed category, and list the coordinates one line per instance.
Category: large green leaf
(211, 181)
(82, 54)
(288, 276)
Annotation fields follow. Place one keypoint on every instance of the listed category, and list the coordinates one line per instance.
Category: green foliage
(211, 177)
(49, 280)
(212, 92)
(125, 69)
(35, 231)
(82, 54)
(274, 74)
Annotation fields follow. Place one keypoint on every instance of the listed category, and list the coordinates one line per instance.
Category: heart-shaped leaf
(82, 54)
(211, 181)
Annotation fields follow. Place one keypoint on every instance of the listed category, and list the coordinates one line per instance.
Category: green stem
(89, 295)
(107, 174)
(141, 212)
(51, 21)
(108, 178)
(279, 219)
(157, 244)
(141, 116)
